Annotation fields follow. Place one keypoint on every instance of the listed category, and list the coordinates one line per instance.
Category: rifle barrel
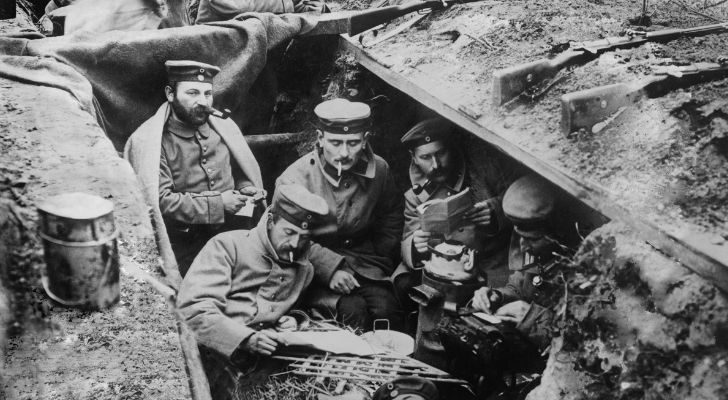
(367, 19)
(671, 34)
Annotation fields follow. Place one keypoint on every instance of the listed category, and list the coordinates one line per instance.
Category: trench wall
(130, 351)
(635, 324)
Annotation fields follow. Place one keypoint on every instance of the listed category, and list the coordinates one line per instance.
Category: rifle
(512, 81)
(354, 23)
(585, 108)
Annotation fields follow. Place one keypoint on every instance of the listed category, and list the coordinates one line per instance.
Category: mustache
(344, 160)
(437, 173)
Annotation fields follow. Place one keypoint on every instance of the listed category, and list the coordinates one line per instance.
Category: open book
(445, 215)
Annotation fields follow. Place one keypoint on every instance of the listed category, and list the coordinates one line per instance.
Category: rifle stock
(512, 81)
(585, 108)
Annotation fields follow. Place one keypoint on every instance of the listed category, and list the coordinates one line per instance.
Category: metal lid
(76, 205)
(449, 261)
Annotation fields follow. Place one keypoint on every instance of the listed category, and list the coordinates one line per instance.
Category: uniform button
(204, 148)
(209, 170)
(347, 242)
(281, 279)
(204, 160)
(212, 183)
(461, 229)
(347, 185)
(449, 193)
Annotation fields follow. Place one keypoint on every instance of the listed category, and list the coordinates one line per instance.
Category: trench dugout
(296, 78)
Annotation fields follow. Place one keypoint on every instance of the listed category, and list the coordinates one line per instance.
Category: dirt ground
(664, 159)
(130, 351)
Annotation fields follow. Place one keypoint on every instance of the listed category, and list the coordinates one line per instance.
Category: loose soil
(129, 351)
(664, 159)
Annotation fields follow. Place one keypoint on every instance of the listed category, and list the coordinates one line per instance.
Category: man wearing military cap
(438, 170)
(529, 203)
(242, 283)
(407, 388)
(202, 167)
(353, 266)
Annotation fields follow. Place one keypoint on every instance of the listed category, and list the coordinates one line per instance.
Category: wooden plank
(692, 250)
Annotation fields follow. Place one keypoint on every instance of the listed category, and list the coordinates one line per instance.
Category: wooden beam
(689, 248)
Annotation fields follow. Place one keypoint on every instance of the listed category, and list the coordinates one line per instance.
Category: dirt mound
(637, 325)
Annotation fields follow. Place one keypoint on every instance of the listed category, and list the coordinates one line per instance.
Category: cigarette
(339, 168)
(290, 255)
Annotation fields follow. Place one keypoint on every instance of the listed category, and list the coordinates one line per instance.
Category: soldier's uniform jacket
(524, 268)
(195, 168)
(368, 214)
(486, 241)
(238, 281)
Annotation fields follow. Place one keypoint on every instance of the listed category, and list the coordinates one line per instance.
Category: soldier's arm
(387, 233)
(241, 181)
(218, 10)
(411, 224)
(189, 208)
(512, 290)
(537, 325)
(203, 296)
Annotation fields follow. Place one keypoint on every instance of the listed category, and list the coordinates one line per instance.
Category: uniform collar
(454, 184)
(185, 130)
(365, 168)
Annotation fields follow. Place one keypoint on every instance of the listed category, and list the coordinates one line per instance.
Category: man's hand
(233, 201)
(481, 214)
(420, 239)
(263, 342)
(343, 282)
(286, 323)
(513, 312)
(484, 298)
(316, 6)
(253, 192)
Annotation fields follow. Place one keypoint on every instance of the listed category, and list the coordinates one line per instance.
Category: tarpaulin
(126, 69)
(120, 77)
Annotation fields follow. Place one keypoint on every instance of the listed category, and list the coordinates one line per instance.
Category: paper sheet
(336, 342)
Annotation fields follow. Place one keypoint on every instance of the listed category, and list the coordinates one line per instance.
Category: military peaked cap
(297, 205)
(528, 203)
(186, 70)
(426, 132)
(407, 385)
(343, 116)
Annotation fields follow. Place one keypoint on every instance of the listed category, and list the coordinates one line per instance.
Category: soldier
(353, 266)
(220, 10)
(243, 283)
(438, 170)
(206, 171)
(529, 204)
